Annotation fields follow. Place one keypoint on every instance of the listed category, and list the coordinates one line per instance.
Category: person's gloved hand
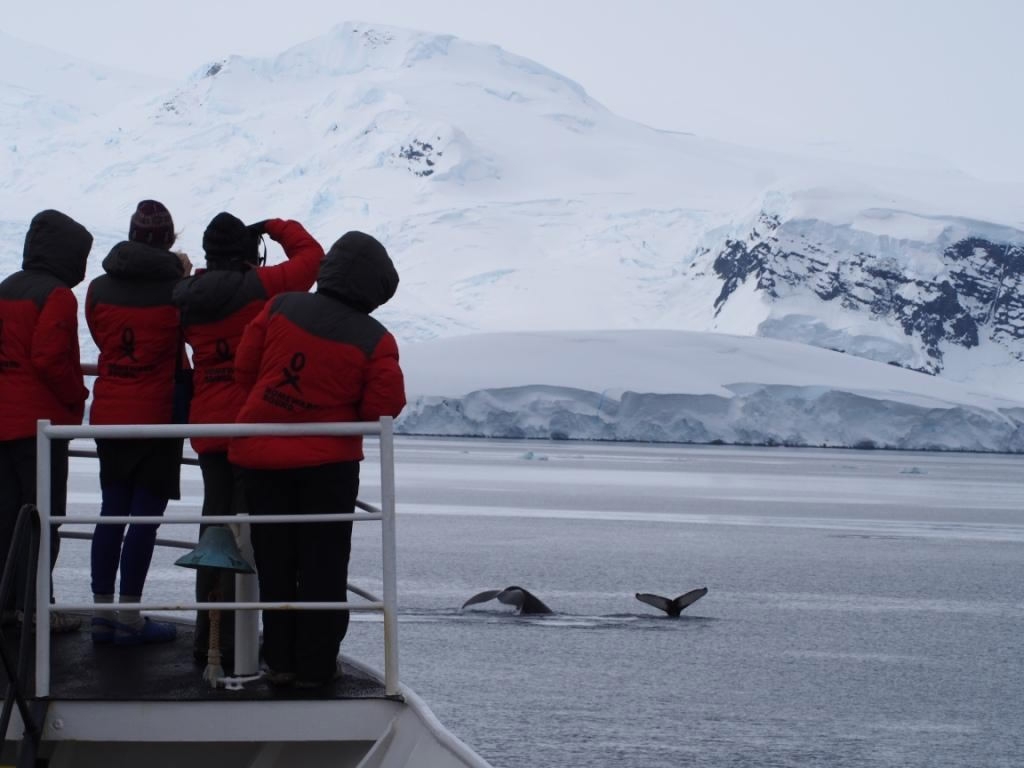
(258, 229)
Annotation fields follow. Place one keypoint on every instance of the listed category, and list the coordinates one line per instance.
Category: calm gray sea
(864, 608)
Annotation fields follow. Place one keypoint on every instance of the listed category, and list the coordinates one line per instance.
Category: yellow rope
(214, 671)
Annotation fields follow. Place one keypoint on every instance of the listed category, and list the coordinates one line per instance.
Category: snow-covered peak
(404, 60)
(362, 48)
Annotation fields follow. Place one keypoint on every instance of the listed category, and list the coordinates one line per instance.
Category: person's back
(218, 302)
(136, 328)
(321, 357)
(40, 361)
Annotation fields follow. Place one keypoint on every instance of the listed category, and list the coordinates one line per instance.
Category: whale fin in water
(673, 607)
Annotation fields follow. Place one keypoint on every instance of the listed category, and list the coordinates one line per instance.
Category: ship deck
(82, 671)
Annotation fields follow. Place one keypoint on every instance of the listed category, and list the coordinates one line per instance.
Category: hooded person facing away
(216, 304)
(313, 358)
(40, 371)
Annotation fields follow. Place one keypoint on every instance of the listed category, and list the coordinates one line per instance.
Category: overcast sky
(938, 79)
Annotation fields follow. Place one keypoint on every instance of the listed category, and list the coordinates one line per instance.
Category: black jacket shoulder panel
(30, 285)
(122, 292)
(330, 319)
(214, 295)
(137, 275)
(137, 261)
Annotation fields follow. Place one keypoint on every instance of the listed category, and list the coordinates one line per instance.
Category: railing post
(42, 616)
(247, 623)
(387, 507)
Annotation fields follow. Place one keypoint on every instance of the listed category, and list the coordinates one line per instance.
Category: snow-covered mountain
(512, 201)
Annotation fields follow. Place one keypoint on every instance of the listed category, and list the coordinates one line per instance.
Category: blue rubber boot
(150, 632)
(102, 630)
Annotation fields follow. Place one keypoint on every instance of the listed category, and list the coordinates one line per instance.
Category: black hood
(138, 261)
(358, 271)
(57, 244)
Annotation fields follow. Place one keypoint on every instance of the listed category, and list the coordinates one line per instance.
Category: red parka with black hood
(321, 358)
(216, 305)
(40, 360)
(137, 330)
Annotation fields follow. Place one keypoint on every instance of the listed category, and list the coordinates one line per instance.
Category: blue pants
(133, 551)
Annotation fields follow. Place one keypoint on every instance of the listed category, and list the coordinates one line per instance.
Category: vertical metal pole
(42, 561)
(247, 623)
(387, 498)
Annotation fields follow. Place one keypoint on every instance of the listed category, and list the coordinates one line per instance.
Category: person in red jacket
(40, 370)
(313, 357)
(216, 304)
(137, 330)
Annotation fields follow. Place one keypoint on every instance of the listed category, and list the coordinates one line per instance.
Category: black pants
(303, 562)
(150, 463)
(222, 495)
(18, 487)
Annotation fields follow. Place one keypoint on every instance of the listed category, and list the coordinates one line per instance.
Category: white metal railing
(386, 514)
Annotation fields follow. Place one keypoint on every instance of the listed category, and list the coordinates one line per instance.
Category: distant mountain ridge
(512, 201)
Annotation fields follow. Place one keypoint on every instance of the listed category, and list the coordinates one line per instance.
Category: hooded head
(229, 244)
(152, 224)
(57, 244)
(358, 271)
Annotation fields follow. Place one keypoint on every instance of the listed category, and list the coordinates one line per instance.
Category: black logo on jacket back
(224, 351)
(290, 379)
(128, 345)
(127, 350)
(291, 373)
(222, 370)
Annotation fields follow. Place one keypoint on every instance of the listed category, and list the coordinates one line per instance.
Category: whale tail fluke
(482, 597)
(673, 607)
(524, 600)
(659, 602)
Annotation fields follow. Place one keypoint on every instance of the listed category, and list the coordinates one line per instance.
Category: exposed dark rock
(980, 294)
(420, 155)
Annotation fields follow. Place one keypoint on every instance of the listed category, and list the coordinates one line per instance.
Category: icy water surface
(864, 608)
